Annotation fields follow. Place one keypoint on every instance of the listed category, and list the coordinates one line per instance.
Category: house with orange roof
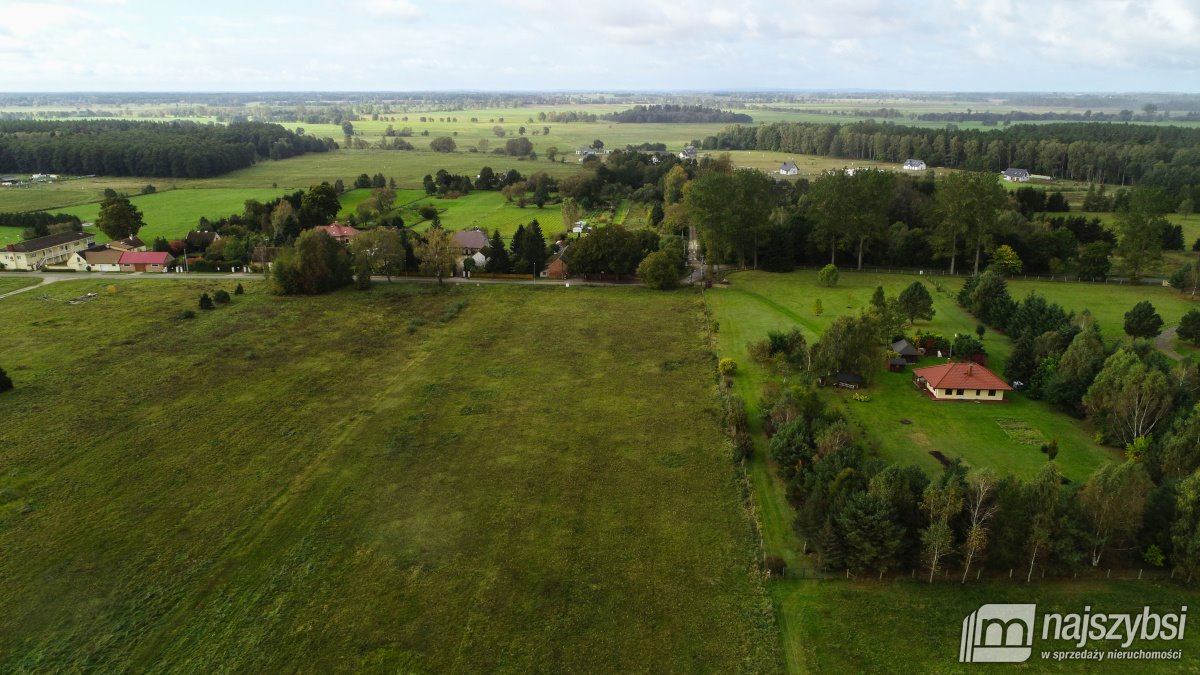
(339, 232)
(965, 381)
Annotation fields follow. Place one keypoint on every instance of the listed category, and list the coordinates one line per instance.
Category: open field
(172, 214)
(385, 481)
(757, 302)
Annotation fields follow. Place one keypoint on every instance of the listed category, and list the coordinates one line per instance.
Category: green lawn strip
(10, 284)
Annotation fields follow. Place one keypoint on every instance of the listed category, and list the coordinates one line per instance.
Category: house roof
(897, 361)
(966, 375)
(849, 378)
(145, 258)
(48, 241)
(128, 243)
(338, 230)
(470, 238)
(905, 348)
(788, 166)
(1016, 172)
(102, 255)
(913, 162)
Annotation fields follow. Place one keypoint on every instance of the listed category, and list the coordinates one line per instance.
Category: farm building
(913, 165)
(53, 249)
(788, 169)
(689, 152)
(1016, 175)
(145, 261)
(966, 381)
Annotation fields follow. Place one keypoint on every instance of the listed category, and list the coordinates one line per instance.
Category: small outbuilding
(848, 380)
(897, 364)
(906, 351)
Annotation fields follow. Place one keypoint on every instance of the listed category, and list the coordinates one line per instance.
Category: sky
(600, 45)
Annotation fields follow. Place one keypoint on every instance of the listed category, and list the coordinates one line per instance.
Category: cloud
(394, 9)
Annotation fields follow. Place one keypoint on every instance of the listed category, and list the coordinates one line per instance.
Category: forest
(126, 148)
(678, 114)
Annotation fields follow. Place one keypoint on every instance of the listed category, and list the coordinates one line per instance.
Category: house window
(991, 392)
(960, 392)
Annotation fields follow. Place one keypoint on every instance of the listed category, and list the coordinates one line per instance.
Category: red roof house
(145, 261)
(339, 231)
(967, 381)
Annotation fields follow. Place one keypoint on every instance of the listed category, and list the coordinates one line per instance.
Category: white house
(788, 169)
(54, 249)
(913, 165)
(689, 152)
(96, 259)
(1016, 175)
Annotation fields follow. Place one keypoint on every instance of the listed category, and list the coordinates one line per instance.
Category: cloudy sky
(944, 45)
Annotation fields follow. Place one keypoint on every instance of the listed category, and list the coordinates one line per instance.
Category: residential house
(965, 381)
(689, 152)
(1016, 175)
(470, 241)
(53, 249)
(128, 244)
(906, 351)
(913, 165)
(557, 267)
(788, 169)
(96, 259)
(145, 261)
(338, 231)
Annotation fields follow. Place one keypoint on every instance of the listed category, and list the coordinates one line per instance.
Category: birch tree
(981, 507)
(1113, 500)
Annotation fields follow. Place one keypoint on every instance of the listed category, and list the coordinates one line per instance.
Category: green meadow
(382, 481)
(10, 284)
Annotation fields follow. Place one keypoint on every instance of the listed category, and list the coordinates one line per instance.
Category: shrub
(828, 276)
(187, 314)
(1143, 321)
(660, 271)
(727, 367)
(221, 297)
(6, 382)
(206, 302)
(775, 565)
(110, 289)
(1189, 327)
(239, 290)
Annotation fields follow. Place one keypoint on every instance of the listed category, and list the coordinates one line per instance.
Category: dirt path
(1164, 341)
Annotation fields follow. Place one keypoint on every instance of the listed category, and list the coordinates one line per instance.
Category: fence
(1062, 278)
(986, 575)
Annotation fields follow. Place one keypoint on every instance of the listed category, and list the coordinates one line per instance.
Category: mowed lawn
(757, 302)
(399, 480)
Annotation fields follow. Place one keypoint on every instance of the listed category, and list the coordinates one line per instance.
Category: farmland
(384, 481)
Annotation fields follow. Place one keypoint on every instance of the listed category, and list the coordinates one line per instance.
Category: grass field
(392, 481)
(903, 627)
(172, 214)
(10, 284)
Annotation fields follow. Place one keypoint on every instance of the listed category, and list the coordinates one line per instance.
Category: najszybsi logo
(1001, 633)
(998, 634)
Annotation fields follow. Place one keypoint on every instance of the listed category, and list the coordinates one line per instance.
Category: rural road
(1164, 341)
(52, 277)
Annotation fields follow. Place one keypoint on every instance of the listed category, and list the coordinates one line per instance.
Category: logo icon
(998, 634)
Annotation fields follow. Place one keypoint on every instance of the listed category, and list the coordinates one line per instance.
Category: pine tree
(497, 256)
(829, 547)
(1142, 321)
(516, 254)
(916, 303)
(206, 302)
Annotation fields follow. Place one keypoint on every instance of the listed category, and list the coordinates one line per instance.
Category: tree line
(127, 148)
(1156, 156)
(678, 114)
